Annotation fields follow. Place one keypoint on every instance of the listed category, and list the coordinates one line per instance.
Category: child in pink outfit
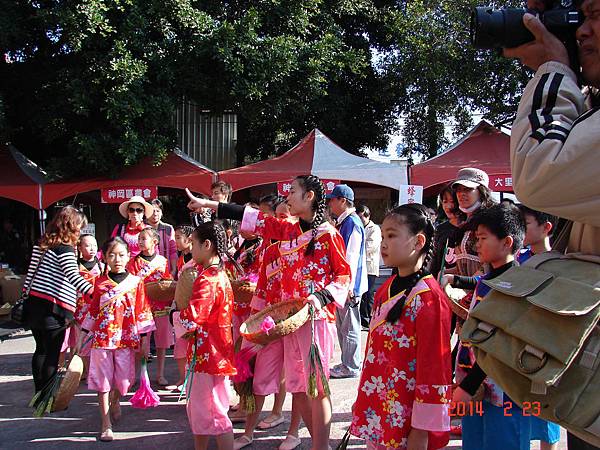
(119, 319)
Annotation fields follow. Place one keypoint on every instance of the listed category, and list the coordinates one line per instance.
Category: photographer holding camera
(555, 137)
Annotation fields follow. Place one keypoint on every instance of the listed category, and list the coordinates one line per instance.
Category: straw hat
(148, 208)
(69, 384)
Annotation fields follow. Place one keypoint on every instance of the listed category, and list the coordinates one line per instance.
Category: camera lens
(498, 28)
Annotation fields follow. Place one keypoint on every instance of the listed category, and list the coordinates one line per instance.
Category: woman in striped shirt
(53, 280)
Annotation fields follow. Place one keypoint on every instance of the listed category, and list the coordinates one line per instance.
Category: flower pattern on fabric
(119, 313)
(208, 320)
(401, 372)
(84, 300)
(150, 271)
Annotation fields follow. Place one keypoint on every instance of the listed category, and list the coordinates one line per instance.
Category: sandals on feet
(290, 442)
(270, 422)
(241, 442)
(162, 381)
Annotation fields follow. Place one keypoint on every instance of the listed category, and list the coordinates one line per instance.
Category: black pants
(366, 303)
(44, 363)
(574, 443)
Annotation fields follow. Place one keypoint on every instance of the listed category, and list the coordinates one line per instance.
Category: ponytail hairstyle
(319, 206)
(109, 245)
(418, 220)
(215, 233)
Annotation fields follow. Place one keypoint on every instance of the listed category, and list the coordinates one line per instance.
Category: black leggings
(47, 353)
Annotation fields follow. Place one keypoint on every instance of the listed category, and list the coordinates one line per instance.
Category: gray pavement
(164, 427)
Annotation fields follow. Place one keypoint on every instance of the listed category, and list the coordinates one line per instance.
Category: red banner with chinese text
(119, 194)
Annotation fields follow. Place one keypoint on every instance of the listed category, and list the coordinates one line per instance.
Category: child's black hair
(540, 217)
(278, 201)
(152, 232)
(109, 245)
(215, 233)
(185, 229)
(502, 220)
(269, 200)
(319, 205)
(418, 220)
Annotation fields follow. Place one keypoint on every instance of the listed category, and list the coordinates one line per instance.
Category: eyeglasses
(136, 210)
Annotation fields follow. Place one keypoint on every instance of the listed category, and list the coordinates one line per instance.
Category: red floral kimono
(406, 378)
(118, 313)
(268, 286)
(84, 300)
(250, 261)
(149, 271)
(207, 319)
(326, 268)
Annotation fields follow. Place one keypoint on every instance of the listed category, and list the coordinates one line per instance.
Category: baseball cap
(471, 178)
(342, 191)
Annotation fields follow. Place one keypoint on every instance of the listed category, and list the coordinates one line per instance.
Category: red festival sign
(501, 182)
(283, 187)
(118, 194)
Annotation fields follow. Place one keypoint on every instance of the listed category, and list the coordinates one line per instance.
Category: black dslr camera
(504, 28)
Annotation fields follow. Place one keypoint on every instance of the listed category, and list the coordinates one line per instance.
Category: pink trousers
(296, 348)
(111, 369)
(208, 404)
(267, 369)
(163, 335)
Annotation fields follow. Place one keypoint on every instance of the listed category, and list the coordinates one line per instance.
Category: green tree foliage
(444, 78)
(89, 86)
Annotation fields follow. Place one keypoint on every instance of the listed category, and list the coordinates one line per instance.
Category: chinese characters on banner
(119, 194)
(411, 193)
(501, 182)
(283, 187)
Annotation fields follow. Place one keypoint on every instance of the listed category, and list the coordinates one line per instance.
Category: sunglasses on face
(136, 210)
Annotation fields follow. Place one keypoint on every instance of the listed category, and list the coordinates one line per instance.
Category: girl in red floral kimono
(405, 387)
(119, 319)
(150, 266)
(313, 267)
(206, 322)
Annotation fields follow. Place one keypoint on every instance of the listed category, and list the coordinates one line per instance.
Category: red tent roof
(484, 147)
(318, 155)
(177, 171)
(20, 179)
(294, 162)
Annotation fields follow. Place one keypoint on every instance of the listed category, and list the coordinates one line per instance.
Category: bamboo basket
(162, 290)
(243, 291)
(69, 384)
(288, 316)
(183, 290)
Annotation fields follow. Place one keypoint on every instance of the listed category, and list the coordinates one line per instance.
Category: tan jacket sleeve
(555, 147)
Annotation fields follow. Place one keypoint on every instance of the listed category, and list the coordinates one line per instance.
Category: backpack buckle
(529, 350)
(488, 329)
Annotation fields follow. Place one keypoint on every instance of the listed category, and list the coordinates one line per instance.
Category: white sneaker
(290, 442)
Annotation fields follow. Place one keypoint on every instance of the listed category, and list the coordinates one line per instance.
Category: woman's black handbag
(17, 314)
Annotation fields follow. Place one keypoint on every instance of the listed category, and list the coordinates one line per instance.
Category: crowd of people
(325, 251)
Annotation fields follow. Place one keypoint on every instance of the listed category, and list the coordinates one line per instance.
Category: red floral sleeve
(267, 226)
(340, 270)
(143, 313)
(434, 373)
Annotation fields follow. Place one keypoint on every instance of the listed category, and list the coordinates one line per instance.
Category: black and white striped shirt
(57, 279)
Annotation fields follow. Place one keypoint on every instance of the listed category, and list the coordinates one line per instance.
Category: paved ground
(162, 428)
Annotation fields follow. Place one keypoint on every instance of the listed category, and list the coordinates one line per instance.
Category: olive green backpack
(536, 334)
